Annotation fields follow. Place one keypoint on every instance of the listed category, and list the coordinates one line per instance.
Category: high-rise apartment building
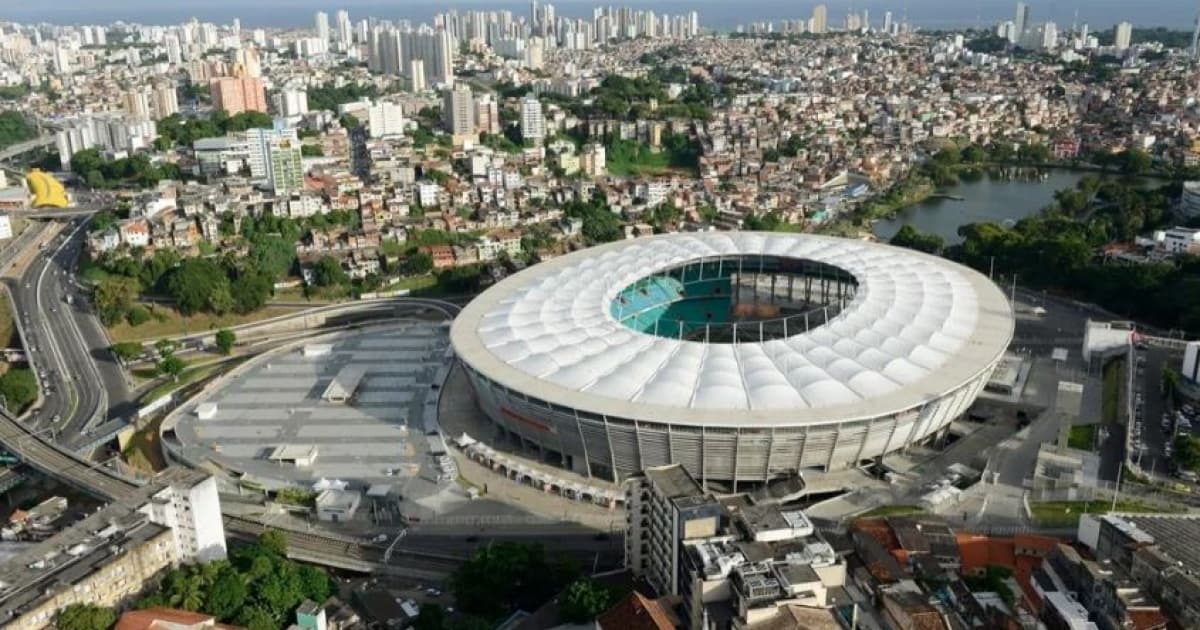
(666, 506)
(322, 26)
(275, 158)
(291, 102)
(165, 101)
(385, 120)
(487, 115)
(345, 30)
(458, 112)
(1020, 23)
(238, 94)
(820, 19)
(1123, 35)
(533, 120)
(137, 103)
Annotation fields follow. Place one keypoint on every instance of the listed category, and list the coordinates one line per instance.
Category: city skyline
(929, 14)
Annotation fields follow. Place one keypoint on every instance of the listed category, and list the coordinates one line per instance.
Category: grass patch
(1082, 437)
(8, 329)
(892, 510)
(168, 322)
(1111, 396)
(189, 375)
(1067, 513)
(143, 450)
(415, 284)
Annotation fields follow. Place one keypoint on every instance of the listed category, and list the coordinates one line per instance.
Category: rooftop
(674, 481)
(917, 324)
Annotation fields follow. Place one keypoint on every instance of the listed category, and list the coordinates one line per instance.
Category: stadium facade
(744, 356)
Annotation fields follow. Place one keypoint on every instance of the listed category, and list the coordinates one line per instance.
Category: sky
(719, 14)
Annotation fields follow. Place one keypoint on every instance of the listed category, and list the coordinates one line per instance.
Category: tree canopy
(506, 576)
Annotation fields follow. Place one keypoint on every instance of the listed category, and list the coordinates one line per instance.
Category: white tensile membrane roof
(917, 327)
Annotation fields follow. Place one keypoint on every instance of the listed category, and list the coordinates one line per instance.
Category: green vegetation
(328, 96)
(14, 129)
(13, 92)
(1110, 395)
(625, 157)
(1056, 250)
(8, 329)
(1168, 37)
(19, 388)
(909, 237)
(600, 224)
(1187, 452)
(1170, 385)
(1065, 514)
(258, 587)
(178, 130)
(994, 579)
(584, 599)
(311, 150)
(504, 577)
(1082, 437)
(85, 617)
(225, 339)
(136, 170)
(892, 510)
(127, 350)
(296, 496)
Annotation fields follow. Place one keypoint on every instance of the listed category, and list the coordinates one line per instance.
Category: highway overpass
(14, 150)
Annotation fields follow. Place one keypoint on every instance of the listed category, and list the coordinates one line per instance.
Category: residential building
(820, 20)
(112, 554)
(238, 94)
(291, 102)
(458, 111)
(385, 119)
(1020, 23)
(665, 507)
(164, 102)
(533, 120)
(1122, 36)
(275, 158)
(487, 115)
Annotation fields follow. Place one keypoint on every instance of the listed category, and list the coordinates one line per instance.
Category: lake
(987, 198)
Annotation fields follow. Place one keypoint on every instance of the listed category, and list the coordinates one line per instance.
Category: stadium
(744, 356)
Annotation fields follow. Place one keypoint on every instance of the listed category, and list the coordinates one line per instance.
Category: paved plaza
(271, 416)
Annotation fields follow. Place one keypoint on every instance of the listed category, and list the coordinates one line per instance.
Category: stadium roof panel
(918, 326)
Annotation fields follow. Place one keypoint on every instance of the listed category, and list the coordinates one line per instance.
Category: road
(66, 346)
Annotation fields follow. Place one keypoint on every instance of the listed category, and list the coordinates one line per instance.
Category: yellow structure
(47, 191)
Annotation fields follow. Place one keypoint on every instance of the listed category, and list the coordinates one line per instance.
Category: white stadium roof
(917, 327)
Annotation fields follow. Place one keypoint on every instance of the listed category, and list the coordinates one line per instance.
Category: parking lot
(1155, 424)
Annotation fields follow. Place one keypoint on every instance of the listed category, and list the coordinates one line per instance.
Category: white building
(5, 227)
(1123, 36)
(291, 102)
(322, 24)
(427, 194)
(1190, 202)
(1191, 362)
(1179, 240)
(533, 120)
(385, 120)
(666, 507)
(108, 132)
(275, 159)
(188, 503)
(458, 111)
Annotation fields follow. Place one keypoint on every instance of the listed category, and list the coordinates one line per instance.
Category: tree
(19, 388)
(909, 237)
(506, 576)
(199, 284)
(250, 291)
(226, 595)
(430, 617)
(114, 296)
(170, 365)
(127, 350)
(225, 340)
(419, 262)
(256, 618)
(328, 272)
(273, 542)
(583, 600)
(85, 617)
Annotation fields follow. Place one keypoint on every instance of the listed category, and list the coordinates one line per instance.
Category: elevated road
(13, 151)
(36, 451)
